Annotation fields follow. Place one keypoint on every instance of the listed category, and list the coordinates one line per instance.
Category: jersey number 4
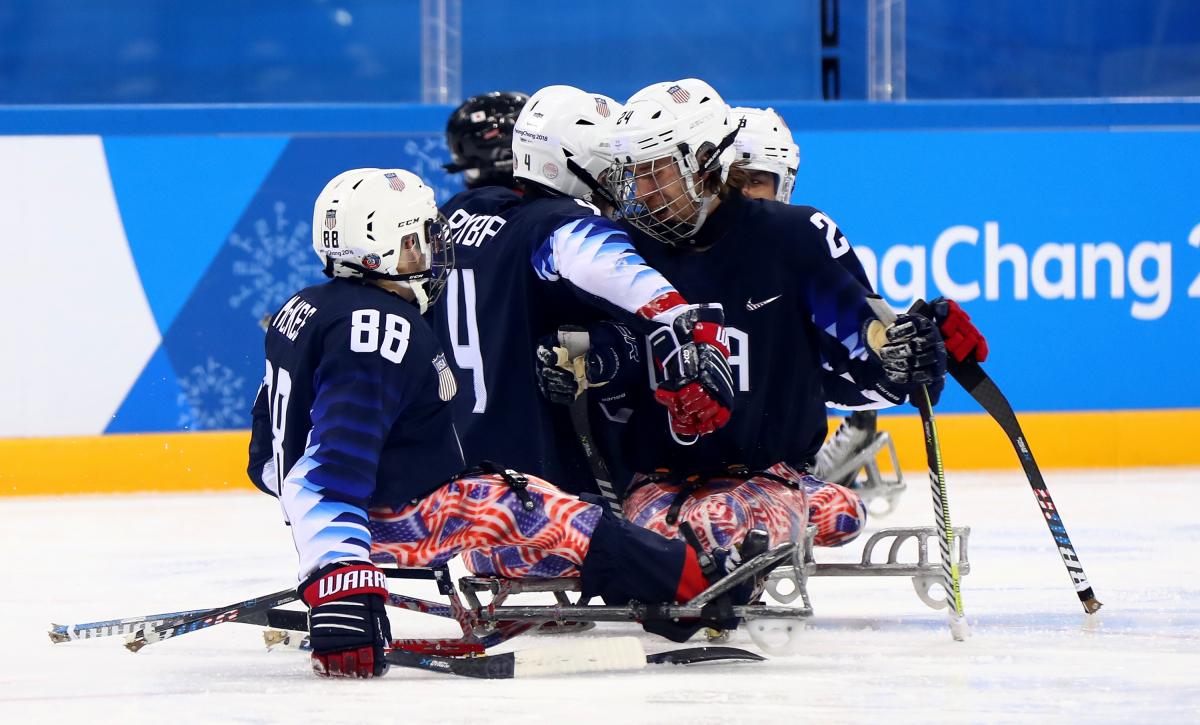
(467, 354)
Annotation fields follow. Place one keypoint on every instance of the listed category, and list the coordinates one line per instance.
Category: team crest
(394, 181)
(679, 94)
(602, 107)
(371, 261)
(446, 385)
(331, 218)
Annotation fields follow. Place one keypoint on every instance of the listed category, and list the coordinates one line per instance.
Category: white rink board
(874, 654)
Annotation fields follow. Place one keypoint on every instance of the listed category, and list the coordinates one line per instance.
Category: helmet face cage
(662, 197)
(441, 257)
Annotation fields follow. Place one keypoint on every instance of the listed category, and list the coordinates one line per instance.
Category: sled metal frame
(925, 574)
(489, 620)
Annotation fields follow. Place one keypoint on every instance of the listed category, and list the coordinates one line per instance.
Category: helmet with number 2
(764, 143)
(383, 224)
(671, 142)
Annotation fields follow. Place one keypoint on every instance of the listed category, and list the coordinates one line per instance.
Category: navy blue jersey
(523, 267)
(353, 412)
(795, 306)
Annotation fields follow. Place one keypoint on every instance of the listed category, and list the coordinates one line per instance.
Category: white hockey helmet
(669, 140)
(383, 224)
(764, 143)
(557, 137)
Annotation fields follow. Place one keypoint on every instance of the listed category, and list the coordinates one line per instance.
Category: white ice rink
(874, 652)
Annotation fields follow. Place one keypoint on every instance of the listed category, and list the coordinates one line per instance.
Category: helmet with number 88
(383, 224)
(672, 147)
(764, 143)
(557, 136)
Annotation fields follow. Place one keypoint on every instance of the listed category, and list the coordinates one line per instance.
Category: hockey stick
(575, 343)
(598, 655)
(111, 627)
(583, 431)
(231, 613)
(983, 389)
(951, 577)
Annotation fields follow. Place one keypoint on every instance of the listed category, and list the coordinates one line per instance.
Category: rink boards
(1069, 231)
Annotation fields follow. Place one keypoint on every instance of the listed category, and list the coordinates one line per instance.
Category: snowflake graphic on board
(277, 261)
(425, 158)
(213, 397)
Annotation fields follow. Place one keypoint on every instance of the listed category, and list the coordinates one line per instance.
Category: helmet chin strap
(420, 296)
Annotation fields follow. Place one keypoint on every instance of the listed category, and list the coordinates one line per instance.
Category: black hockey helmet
(479, 134)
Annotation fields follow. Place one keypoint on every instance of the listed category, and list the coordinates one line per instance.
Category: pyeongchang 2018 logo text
(1051, 271)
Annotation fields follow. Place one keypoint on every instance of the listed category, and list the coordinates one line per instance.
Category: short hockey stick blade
(696, 655)
(598, 655)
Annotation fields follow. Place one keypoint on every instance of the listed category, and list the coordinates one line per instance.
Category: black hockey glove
(693, 355)
(912, 354)
(575, 358)
(347, 623)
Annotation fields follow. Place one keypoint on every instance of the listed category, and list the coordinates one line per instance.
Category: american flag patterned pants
(723, 510)
(484, 519)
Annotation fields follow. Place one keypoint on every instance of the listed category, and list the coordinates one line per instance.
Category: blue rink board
(1042, 180)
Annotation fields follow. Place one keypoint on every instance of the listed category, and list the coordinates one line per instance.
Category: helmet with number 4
(672, 147)
(764, 143)
(383, 224)
(557, 136)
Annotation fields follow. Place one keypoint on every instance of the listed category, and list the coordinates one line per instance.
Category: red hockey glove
(347, 623)
(963, 339)
(694, 358)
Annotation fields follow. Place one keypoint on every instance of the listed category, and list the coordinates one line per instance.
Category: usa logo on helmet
(394, 181)
(602, 107)
(331, 218)
(679, 93)
(371, 261)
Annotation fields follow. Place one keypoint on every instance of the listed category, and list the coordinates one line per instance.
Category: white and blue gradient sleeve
(596, 256)
(325, 494)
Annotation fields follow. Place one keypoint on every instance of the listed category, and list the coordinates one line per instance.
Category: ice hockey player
(525, 265)
(479, 135)
(352, 432)
(793, 306)
(767, 151)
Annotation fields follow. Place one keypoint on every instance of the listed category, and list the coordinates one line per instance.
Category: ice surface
(875, 653)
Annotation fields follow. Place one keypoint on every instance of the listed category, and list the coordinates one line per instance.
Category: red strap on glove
(962, 338)
(348, 626)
